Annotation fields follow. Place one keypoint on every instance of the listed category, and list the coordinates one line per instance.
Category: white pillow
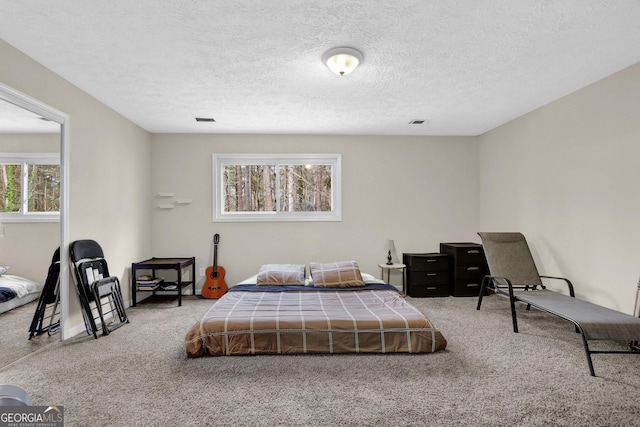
(3, 270)
(369, 278)
(249, 280)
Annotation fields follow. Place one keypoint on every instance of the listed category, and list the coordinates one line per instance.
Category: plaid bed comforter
(365, 321)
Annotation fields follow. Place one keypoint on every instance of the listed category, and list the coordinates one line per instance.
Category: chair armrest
(492, 280)
(567, 281)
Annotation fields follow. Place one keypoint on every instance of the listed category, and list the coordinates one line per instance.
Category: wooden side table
(155, 264)
(388, 268)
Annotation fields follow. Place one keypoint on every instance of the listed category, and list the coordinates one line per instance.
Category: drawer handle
(431, 288)
(473, 251)
(432, 274)
(472, 285)
(432, 260)
(473, 268)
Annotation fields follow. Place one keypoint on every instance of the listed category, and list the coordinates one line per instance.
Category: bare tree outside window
(248, 188)
(29, 188)
(307, 187)
(10, 186)
(44, 188)
(276, 188)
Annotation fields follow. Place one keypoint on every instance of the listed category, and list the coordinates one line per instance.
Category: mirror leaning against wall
(33, 220)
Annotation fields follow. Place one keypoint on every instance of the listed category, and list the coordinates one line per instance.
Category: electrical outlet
(202, 272)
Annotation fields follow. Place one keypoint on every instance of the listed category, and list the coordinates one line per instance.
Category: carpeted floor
(488, 376)
(14, 334)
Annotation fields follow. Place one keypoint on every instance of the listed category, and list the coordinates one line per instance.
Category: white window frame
(219, 161)
(26, 159)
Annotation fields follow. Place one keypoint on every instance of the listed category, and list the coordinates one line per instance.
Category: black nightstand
(427, 274)
(468, 267)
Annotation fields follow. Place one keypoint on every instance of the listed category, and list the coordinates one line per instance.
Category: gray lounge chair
(513, 273)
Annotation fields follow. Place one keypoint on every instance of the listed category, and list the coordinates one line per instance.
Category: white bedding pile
(26, 290)
(20, 285)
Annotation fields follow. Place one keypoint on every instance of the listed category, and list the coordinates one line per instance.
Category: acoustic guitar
(214, 285)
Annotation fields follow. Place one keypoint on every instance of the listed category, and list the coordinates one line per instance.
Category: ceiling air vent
(205, 119)
(417, 122)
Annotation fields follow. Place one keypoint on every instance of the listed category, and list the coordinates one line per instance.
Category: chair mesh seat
(597, 322)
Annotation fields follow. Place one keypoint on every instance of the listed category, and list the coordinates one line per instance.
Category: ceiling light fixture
(342, 60)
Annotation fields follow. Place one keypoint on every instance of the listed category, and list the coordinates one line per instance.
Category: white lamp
(390, 248)
(342, 60)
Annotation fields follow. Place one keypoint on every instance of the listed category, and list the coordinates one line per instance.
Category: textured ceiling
(14, 119)
(465, 66)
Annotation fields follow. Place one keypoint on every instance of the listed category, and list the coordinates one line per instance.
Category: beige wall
(110, 168)
(27, 248)
(29, 142)
(419, 191)
(567, 176)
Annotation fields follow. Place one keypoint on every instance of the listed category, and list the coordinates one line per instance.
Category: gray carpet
(14, 334)
(488, 376)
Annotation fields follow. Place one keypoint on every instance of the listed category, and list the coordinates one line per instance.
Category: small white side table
(388, 268)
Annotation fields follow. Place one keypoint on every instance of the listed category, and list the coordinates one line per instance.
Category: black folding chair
(47, 317)
(100, 294)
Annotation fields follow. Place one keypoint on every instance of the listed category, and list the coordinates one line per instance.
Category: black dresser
(468, 267)
(427, 274)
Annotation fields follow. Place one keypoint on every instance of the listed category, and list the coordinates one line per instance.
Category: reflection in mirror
(26, 248)
(14, 119)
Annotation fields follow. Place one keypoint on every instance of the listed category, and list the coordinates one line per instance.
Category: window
(29, 187)
(276, 187)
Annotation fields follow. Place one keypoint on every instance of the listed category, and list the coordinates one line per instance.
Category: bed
(315, 315)
(16, 291)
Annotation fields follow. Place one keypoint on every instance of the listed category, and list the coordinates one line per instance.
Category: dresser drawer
(426, 262)
(468, 267)
(466, 288)
(469, 272)
(464, 253)
(427, 277)
(422, 291)
(467, 280)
